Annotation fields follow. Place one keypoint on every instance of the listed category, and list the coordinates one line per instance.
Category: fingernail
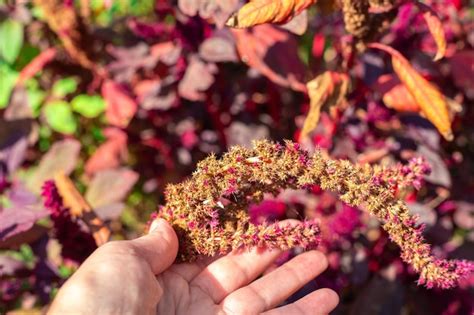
(155, 225)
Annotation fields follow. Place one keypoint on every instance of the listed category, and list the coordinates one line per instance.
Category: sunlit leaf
(432, 102)
(326, 89)
(89, 106)
(11, 39)
(318, 91)
(35, 99)
(59, 116)
(7, 82)
(395, 94)
(80, 208)
(267, 11)
(64, 87)
(436, 28)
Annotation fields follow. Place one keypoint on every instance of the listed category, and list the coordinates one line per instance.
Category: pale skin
(139, 277)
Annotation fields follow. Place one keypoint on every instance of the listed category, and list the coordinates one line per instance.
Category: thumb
(160, 247)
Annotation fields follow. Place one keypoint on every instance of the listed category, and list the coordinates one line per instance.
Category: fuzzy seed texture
(209, 211)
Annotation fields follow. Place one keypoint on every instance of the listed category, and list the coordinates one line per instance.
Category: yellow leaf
(267, 11)
(436, 29)
(328, 89)
(432, 102)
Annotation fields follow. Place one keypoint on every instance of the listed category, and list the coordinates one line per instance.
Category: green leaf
(35, 99)
(60, 117)
(26, 55)
(97, 134)
(11, 40)
(89, 106)
(64, 87)
(65, 271)
(7, 82)
(27, 253)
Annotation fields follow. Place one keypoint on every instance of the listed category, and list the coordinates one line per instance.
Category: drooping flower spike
(209, 211)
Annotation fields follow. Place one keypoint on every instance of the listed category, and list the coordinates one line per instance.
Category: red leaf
(462, 68)
(36, 65)
(110, 153)
(198, 78)
(120, 106)
(319, 42)
(272, 52)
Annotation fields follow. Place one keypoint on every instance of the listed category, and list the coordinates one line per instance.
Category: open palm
(137, 277)
(228, 286)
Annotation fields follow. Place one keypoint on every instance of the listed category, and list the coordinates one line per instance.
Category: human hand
(138, 277)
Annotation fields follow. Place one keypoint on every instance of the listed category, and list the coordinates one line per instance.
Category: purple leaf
(189, 7)
(198, 78)
(9, 266)
(19, 107)
(218, 49)
(20, 196)
(19, 219)
(464, 215)
(298, 25)
(219, 10)
(157, 94)
(439, 172)
(62, 157)
(110, 186)
(243, 134)
(129, 60)
(110, 211)
(379, 296)
(14, 142)
(426, 214)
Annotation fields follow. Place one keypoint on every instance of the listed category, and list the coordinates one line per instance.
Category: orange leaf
(267, 11)
(400, 99)
(432, 102)
(80, 208)
(436, 29)
(395, 94)
(328, 89)
(110, 153)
